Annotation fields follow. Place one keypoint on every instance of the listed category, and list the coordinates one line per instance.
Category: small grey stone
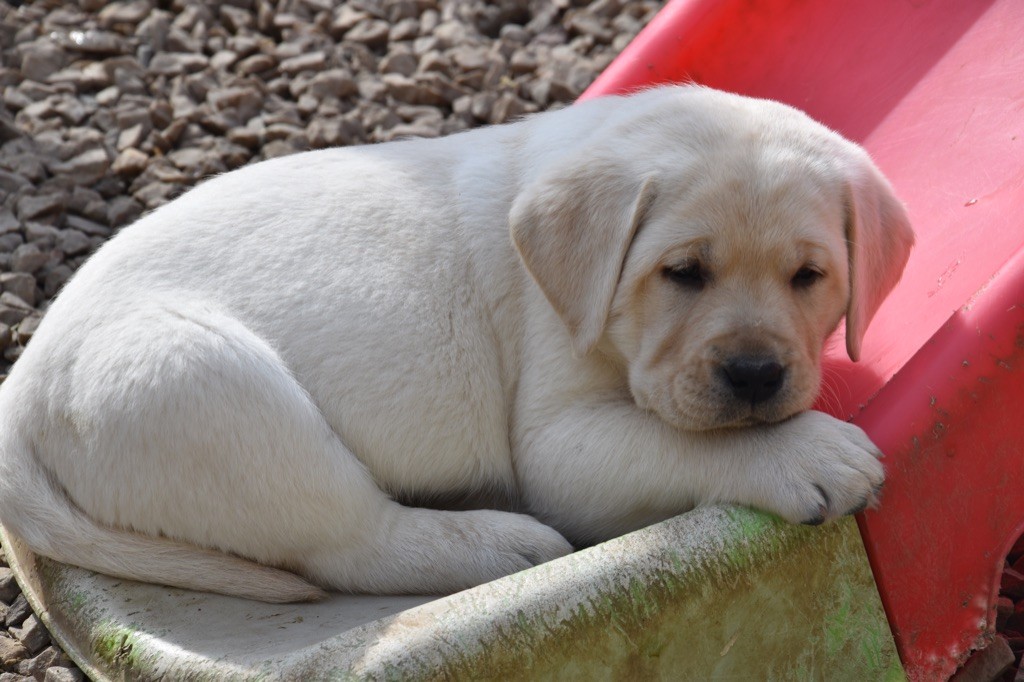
(415, 129)
(369, 32)
(82, 197)
(223, 59)
(8, 585)
(79, 140)
(483, 102)
(123, 210)
(55, 279)
(246, 102)
(346, 17)
(154, 29)
(8, 223)
(97, 210)
(406, 29)
(92, 77)
(326, 132)
(434, 60)
(244, 45)
(30, 207)
(36, 667)
(28, 258)
(421, 90)
(62, 674)
(86, 168)
(8, 129)
(183, 106)
(468, 57)
(307, 104)
(125, 12)
(26, 328)
(86, 225)
(155, 194)
(11, 651)
(128, 83)
(332, 83)
(245, 136)
(32, 635)
(14, 677)
(257, 63)
(177, 63)
(131, 137)
(404, 63)
(40, 59)
(92, 42)
(429, 21)
(20, 610)
(278, 148)
(375, 117)
(26, 165)
(514, 33)
(442, 90)
(130, 162)
(508, 107)
(179, 40)
(450, 33)
(9, 242)
(399, 10)
(22, 285)
(586, 23)
(539, 91)
(41, 234)
(73, 242)
(318, 5)
(236, 19)
(312, 61)
(371, 89)
(131, 113)
(12, 301)
(11, 182)
(523, 61)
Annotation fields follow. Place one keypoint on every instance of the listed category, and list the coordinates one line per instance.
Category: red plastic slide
(935, 90)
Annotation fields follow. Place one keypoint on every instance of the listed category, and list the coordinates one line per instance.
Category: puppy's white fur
(235, 391)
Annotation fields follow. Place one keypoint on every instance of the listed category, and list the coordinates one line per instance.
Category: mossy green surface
(780, 603)
(718, 594)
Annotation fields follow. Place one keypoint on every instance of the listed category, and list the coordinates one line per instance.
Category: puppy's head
(712, 243)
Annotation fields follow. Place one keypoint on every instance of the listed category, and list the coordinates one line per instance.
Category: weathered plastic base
(719, 593)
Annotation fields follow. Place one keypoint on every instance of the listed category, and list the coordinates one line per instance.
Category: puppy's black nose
(753, 379)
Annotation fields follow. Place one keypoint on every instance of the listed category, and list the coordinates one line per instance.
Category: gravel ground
(108, 110)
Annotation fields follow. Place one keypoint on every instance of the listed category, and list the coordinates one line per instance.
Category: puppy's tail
(35, 508)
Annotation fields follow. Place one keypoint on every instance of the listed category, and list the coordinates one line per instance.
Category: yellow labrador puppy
(598, 318)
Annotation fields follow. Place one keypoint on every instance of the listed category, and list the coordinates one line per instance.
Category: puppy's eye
(690, 275)
(806, 277)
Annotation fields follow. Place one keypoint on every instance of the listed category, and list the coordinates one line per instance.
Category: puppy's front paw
(824, 468)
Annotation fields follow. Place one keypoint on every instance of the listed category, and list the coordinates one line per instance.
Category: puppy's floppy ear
(572, 227)
(879, 239)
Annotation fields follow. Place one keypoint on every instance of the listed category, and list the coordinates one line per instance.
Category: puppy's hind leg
(191, 427)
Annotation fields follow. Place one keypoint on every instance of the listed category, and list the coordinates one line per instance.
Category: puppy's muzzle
(752, 379)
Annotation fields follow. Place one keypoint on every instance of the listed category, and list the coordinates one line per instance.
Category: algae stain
(837, 623)
(117, 646)
(77, 601)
